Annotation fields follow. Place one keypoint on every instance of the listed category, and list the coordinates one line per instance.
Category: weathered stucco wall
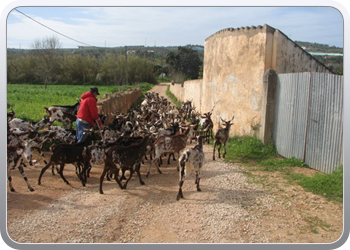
(119, 102)
(290, 58)
(189, 91)
(234, 63)
(194, 92)
(178, 91)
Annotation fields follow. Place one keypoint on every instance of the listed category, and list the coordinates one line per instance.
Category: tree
(185, 62)
(46, 51)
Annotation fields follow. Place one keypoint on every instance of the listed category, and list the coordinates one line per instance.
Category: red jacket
(88, 109)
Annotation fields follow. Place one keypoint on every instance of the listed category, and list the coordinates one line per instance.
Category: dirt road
(232, 208)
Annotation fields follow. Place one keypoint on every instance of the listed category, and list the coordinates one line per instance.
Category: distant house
(86, 47)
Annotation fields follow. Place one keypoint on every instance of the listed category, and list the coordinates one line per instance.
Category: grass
(248, 149)
(252, 152)
(29, 100)
(173, 98)
(328, 185)
(163, 79)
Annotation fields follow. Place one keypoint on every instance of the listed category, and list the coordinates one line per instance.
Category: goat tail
(185, 156)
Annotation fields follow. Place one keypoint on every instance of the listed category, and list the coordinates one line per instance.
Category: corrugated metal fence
(308, 121)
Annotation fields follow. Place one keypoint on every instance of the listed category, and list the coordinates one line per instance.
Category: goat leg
(21, 170)
(53, 169)
(123, 175)
(214, 151)
(219, 150)
(198, 177)
(85, 173)
(223, 155)
(9, 178)
(181, 182)
(139, 174)
(153, 163)
(101, 179)
(171, 154)
(116, 175)
(43, 171)
(61, 173)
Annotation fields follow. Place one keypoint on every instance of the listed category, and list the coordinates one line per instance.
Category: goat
(10, 115)
(67, 153)
(128, 157)
(32, 141)
(221, 137)
(168, 144)
(21, 125)
(55, 114)
(24, 138)
(172, 130)
(15, 155)
(191, 159)
(41, 124)
(206, 125)
(71, 109)
(92, 154)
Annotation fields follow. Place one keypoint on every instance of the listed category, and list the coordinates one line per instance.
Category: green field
(28, 101)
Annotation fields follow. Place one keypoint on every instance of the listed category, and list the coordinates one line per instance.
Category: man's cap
(94, 89)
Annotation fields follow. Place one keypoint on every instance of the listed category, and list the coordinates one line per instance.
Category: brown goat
(221, 137)
(167, 145)
(129, 157)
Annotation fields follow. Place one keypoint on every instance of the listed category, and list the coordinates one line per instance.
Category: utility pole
(126, 65)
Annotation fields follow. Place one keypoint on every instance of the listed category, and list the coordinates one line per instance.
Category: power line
(52, 29)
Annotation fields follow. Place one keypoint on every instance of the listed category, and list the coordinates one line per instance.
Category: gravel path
(233, 207)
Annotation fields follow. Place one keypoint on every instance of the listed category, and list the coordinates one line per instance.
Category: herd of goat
(154, 129)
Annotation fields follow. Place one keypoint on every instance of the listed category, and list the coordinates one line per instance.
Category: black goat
(68, 153)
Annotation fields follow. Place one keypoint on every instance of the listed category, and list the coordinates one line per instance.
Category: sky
(165, 26)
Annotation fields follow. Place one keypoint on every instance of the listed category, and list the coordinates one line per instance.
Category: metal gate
(308, 121)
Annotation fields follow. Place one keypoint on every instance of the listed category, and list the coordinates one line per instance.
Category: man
(87, 114)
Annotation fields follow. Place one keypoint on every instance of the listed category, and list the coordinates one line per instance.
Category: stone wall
(119, 102)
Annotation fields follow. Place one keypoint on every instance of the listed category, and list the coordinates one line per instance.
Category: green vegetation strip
(29, 100)
(251, 151)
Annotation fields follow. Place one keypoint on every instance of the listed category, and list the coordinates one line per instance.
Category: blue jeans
(81, 129)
